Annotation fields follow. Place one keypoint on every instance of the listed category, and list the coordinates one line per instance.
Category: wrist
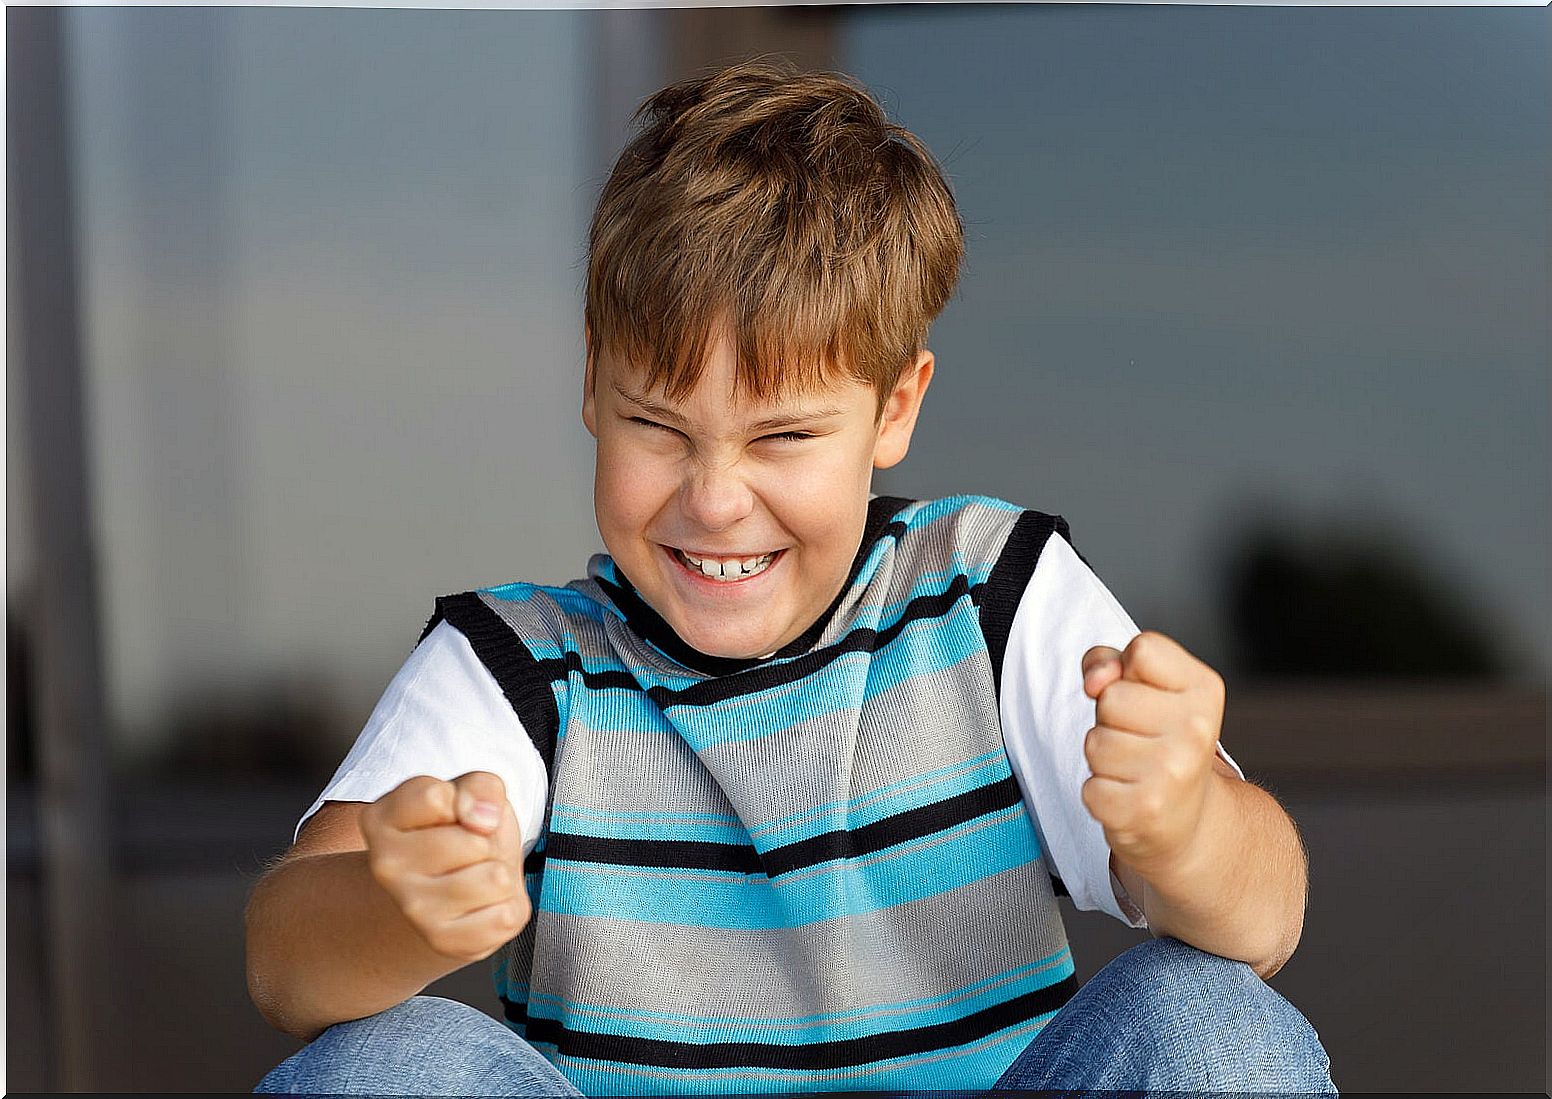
(1176, 877)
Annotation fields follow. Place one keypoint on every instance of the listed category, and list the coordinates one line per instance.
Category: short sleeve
(1064, 611)
(443, 714)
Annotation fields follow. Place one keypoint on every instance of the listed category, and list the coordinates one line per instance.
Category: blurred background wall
(1255, 297)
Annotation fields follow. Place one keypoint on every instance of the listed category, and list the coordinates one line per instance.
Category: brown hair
(785, 204)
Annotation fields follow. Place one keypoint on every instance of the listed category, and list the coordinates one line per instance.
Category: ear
(900, 410)
(589, 405)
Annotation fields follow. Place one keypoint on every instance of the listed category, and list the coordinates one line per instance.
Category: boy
(780, 797)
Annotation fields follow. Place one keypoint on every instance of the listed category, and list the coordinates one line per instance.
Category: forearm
(1239, 891)
(326, 943)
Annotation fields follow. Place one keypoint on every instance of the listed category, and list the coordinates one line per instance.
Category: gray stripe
(928, 548)
(838, 756)
(916, 950)
(644, 772)
(799, 1024)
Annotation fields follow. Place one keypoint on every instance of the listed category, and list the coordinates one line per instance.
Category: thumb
(480, 799)
(1101, 667)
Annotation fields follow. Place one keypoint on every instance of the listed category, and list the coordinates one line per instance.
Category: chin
(732, 648)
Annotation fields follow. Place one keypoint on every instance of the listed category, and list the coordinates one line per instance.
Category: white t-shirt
(443, 715)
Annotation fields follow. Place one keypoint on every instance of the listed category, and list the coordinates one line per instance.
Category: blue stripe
(843, 887)
(923, 648)
(864, 809)
(922, 512)
(864, 1022)
(622, 712)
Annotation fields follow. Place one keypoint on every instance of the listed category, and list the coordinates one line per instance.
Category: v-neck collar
(653, 628)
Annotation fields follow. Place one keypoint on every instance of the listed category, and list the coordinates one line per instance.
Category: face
(738, 520)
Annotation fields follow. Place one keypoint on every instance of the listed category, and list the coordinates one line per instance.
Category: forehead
(717, 389)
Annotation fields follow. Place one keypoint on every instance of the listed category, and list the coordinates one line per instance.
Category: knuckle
(385, 867)
(1092, 746)
(414, 789)
(486, 785)
(418, 910)
(1150, 806)
(499, 877)
(509, 920)
(449, 944)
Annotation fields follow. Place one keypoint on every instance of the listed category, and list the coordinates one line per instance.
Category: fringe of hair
(786, 205)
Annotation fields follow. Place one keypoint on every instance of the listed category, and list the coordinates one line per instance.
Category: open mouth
(726, 570)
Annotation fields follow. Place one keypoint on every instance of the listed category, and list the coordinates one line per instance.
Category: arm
(445, 859)
(325, 942)
(1214, 860)
(1240, 890)
(1250, 885)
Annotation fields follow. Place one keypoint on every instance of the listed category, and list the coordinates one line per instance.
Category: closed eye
(651, 423)
(790, 436)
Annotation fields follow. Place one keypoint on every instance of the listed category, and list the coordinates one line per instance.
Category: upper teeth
(729, 568)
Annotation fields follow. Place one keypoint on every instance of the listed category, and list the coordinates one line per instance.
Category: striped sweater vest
(812, 872)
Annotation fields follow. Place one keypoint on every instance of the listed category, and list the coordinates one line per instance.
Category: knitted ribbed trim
(651, 626)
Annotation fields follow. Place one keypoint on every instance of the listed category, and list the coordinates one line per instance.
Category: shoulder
(532, 613)
(982, 532)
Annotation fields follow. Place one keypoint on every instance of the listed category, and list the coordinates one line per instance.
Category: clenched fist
(1158, 711)
(451, 857)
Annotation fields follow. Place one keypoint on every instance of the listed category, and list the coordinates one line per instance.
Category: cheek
(824, 502)
(629, 487)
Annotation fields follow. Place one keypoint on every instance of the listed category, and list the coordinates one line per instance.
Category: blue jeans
(1163, 1016)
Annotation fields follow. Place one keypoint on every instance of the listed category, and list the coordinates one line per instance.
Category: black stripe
(523, 681)
(647, 623)
(707, 692)
(912, 824)
(1059, 887)
(525, 674)
(816, 1056)
(737, 858)
(1006, 583)
(865, 639)
(513, 1011)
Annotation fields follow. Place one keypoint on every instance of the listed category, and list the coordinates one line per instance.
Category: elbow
(265, 989)
(1266, 969)
(261, 986)
(269, 1005)
(1279, 957)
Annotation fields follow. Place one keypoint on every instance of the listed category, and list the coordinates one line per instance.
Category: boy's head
(763, 266)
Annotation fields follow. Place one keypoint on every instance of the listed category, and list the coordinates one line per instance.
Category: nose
(716, 496)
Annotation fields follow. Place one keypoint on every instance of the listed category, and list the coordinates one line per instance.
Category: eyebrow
(770, 424)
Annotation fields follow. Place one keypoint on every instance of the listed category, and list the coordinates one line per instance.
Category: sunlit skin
(721, 474)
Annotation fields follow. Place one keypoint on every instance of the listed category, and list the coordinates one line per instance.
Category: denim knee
(1217, 1013)
(426, 1045)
